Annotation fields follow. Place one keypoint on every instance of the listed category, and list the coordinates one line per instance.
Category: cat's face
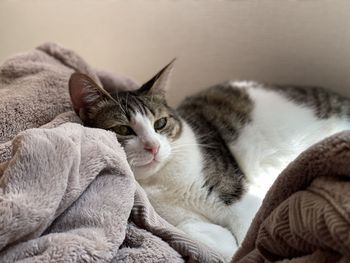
(143, 122)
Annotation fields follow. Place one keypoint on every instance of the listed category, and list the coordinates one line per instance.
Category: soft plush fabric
(59, 196)
(305, 216)
(34, 87)
(67, 192)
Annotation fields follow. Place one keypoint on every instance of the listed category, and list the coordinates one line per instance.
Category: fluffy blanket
(67, 193)
(305, 216)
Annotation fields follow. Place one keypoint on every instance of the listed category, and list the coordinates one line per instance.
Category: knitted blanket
(305, 216)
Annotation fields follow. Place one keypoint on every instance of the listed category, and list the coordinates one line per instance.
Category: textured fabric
(66, 190)
(34, 88)
(145, 216)
(42, 216)
(305, 216)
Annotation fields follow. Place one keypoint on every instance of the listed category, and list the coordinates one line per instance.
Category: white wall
(301, 42)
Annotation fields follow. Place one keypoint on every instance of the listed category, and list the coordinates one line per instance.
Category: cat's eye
(124, 130)
(160, 123)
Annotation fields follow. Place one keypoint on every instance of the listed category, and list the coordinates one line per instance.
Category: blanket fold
(50, 170)
(67, 193)
(305, 216)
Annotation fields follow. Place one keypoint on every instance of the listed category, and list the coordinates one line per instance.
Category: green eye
(124, 130)
(160, 123)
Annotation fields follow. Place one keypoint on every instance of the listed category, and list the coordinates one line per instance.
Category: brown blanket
(305, 216)
(67, 193)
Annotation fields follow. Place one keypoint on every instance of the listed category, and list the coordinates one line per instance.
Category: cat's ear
(158, 84)
(84, 93)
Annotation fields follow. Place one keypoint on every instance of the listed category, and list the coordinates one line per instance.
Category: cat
(207, 165)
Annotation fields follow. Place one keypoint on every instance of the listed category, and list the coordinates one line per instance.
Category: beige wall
(301, 42)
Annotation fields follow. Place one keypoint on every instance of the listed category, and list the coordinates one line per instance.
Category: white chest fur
(178, 185)
(177, 194)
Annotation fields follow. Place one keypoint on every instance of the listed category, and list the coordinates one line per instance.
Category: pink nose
(152, 149)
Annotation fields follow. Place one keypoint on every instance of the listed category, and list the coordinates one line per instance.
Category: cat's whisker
(152, 97)
(193, 144)
(205, 135)
(120, 104)
(126, 101)
(131, 156)
(123, 109)
(178, 152)
(186, 146)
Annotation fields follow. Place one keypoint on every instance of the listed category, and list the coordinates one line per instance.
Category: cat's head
(144, 123)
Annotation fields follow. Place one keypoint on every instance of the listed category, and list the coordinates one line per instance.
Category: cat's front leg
(239, 215)
(212, 235)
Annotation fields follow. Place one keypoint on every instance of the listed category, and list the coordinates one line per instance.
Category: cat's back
(264, 127)
(230, 106)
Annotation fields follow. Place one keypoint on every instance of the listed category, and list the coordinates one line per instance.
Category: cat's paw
(212, 235)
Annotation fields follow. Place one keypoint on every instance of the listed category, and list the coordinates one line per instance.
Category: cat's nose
(152, 148)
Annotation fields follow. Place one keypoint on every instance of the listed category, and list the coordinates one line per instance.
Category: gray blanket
(67, 192)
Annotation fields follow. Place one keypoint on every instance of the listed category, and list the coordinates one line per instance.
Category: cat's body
(270, 128)
(208, 168)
